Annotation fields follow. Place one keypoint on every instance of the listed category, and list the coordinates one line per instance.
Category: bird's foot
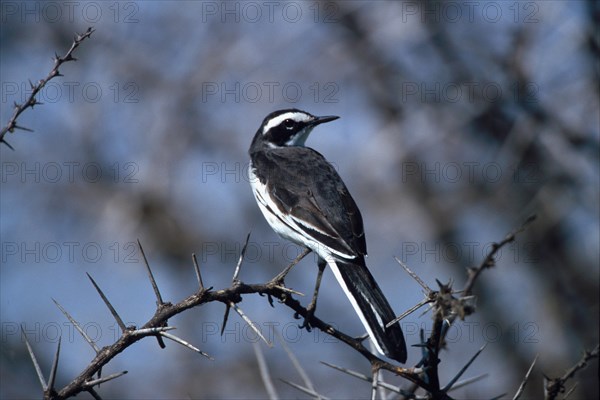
(310, 313)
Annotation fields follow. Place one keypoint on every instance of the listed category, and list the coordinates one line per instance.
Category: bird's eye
(289, 123)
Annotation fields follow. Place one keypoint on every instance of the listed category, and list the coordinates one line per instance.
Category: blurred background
(458, 121)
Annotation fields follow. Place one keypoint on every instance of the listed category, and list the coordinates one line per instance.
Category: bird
(305, 201)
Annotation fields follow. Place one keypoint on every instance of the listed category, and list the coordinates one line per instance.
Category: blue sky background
(458, 120)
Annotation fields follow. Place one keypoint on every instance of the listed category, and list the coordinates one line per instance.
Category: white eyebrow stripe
(294, 115)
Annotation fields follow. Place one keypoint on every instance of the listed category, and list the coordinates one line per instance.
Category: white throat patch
(299, 138)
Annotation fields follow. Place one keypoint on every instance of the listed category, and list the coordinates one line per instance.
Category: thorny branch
(157, 324)
(229, 295)
(446, 307)
(554, 386)
(423, 375)
(35, 88)
(490, 261)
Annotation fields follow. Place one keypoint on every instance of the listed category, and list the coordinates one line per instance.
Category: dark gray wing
(313, 193)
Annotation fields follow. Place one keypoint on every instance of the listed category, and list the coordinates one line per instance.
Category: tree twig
(554, 386)
(31, 101)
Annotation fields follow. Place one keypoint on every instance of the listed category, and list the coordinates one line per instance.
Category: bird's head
(288, 127)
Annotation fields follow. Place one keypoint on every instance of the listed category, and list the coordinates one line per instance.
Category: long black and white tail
(371, 306)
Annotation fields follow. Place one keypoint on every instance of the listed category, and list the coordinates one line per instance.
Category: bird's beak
(320, 120)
